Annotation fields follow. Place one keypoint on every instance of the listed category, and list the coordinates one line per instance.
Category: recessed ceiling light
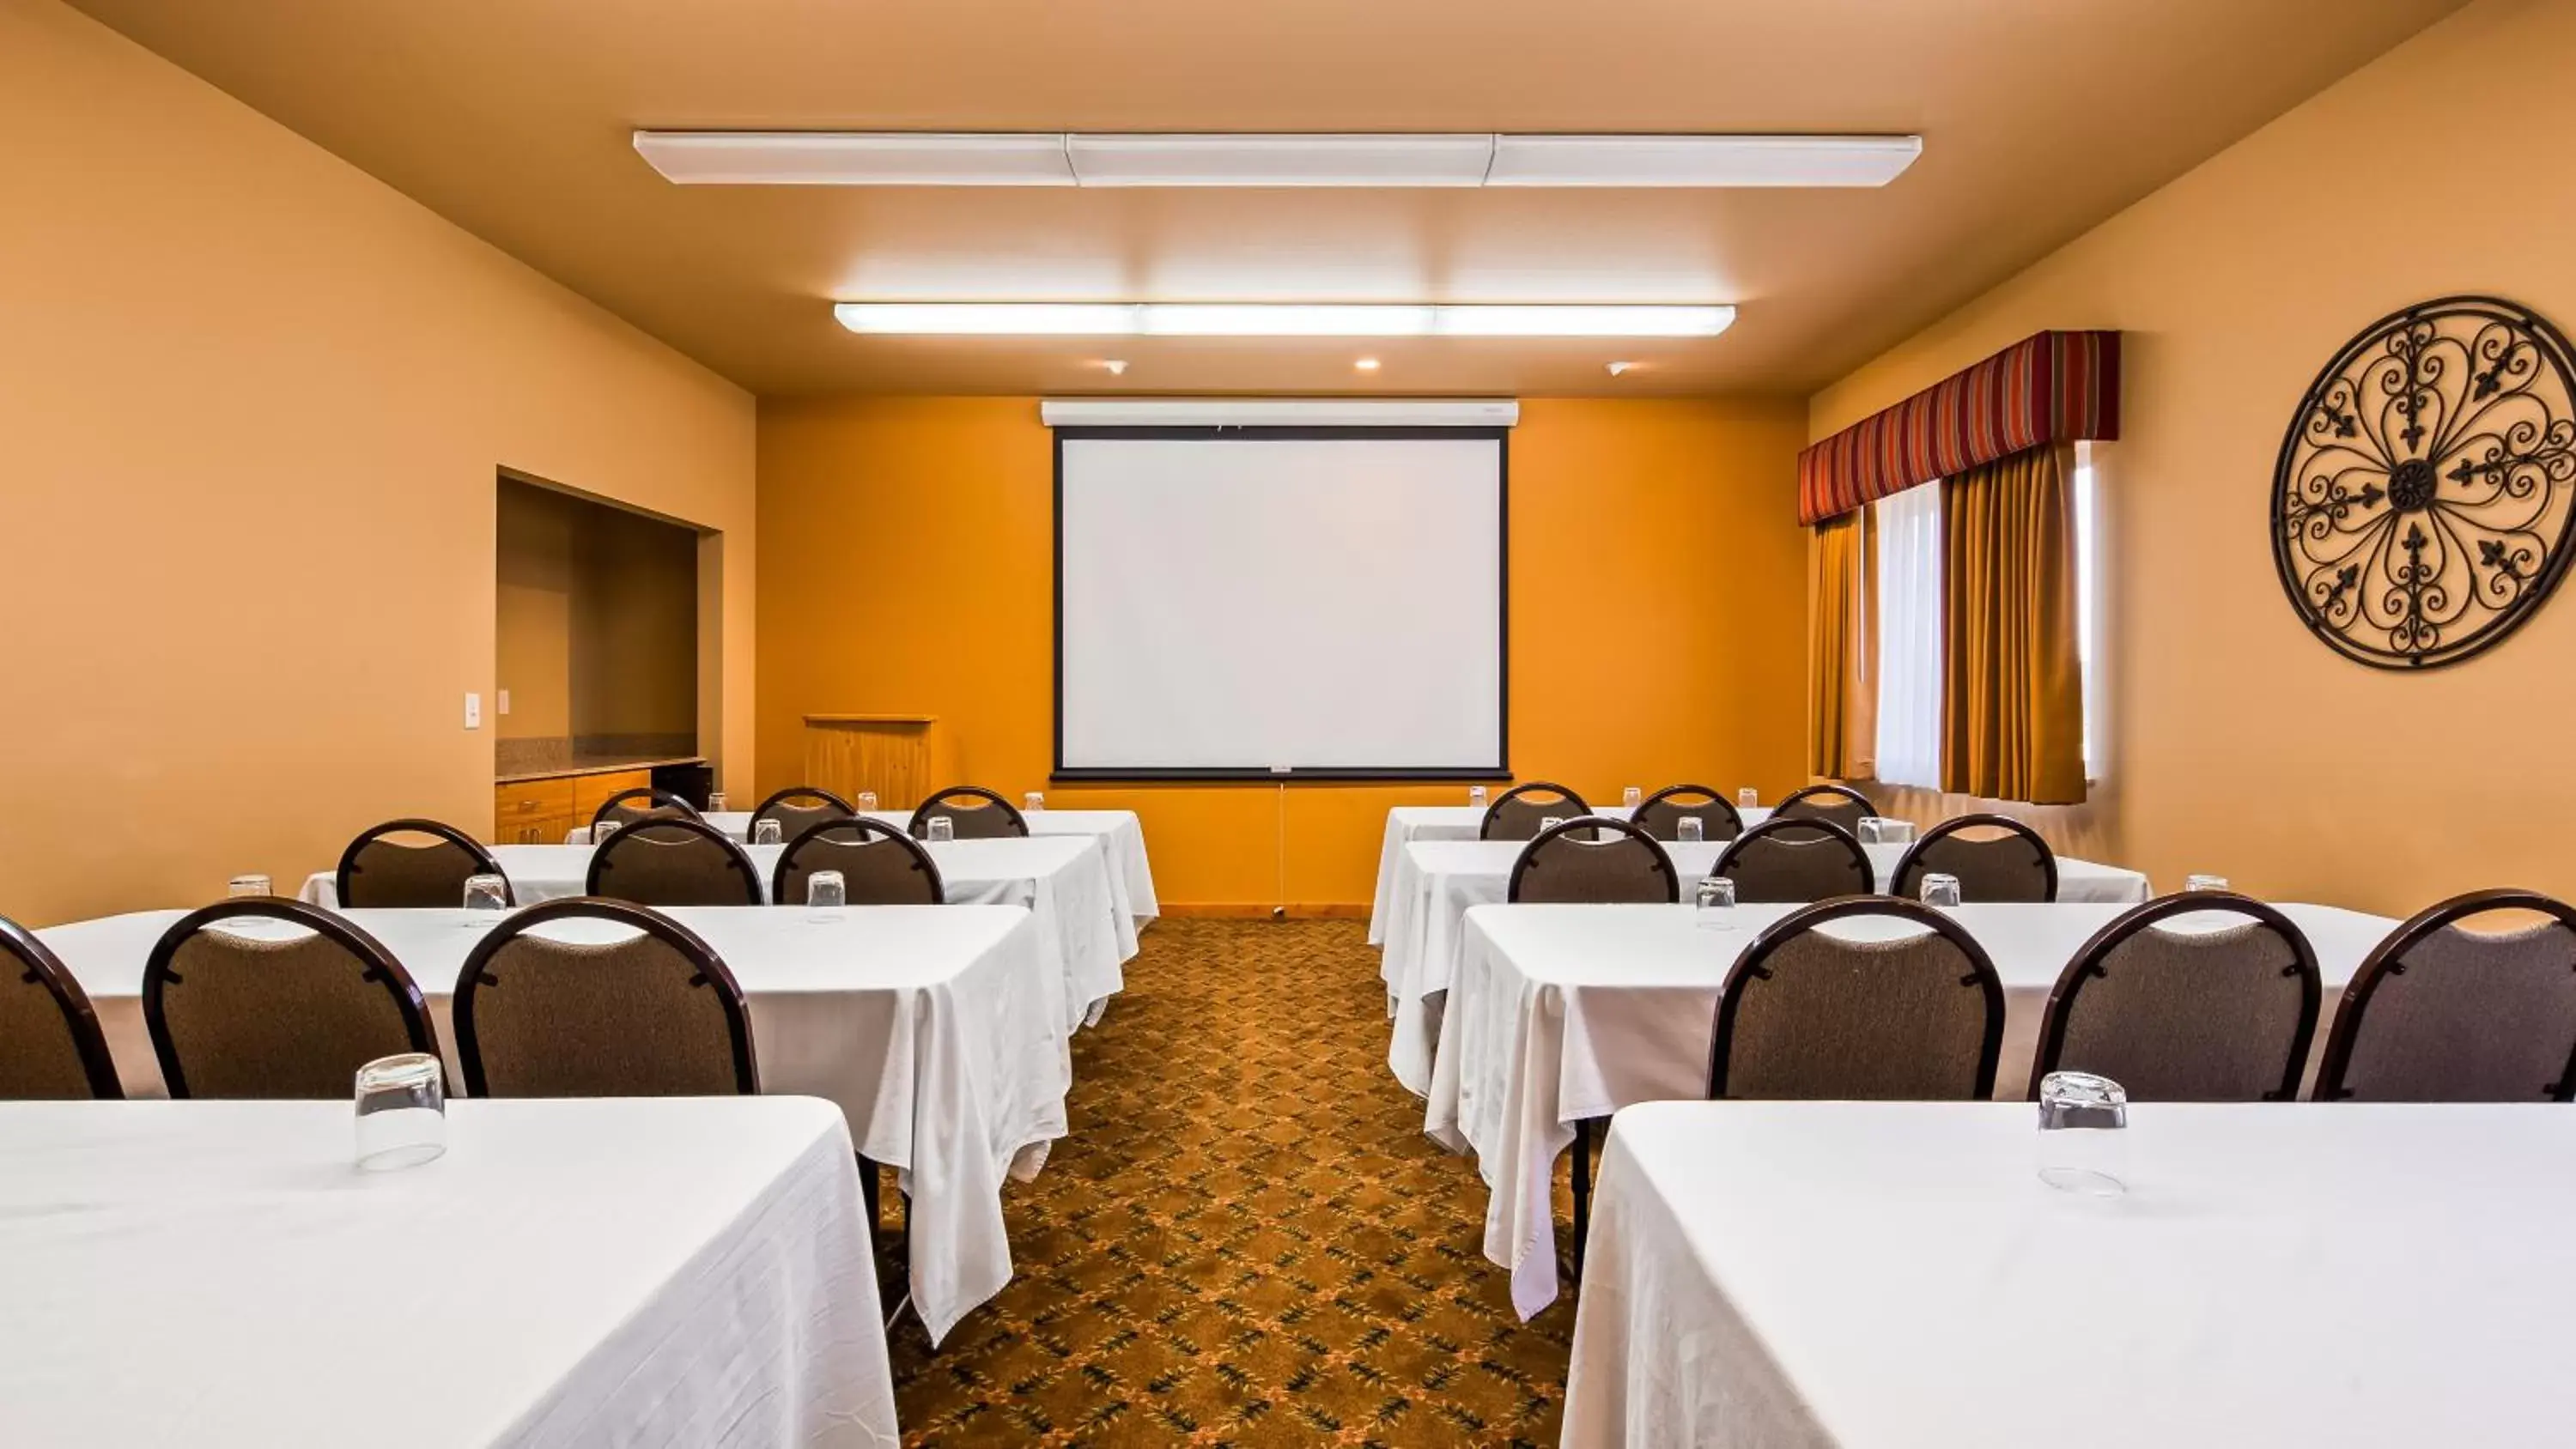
(1621, 369)
(1272, 319)
(1366, 364)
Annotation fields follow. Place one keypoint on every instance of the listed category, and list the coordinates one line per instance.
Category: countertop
(598, 765)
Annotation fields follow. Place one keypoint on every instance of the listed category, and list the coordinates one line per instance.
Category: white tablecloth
(1796, 1276)
(937, 1030)
(1121, 834)
(570, 1273)
(1064, 880)
(1563, 1013)
(1406, 824)
(1438, 882)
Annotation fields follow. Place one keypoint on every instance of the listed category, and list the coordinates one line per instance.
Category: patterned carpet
(1246, 1240)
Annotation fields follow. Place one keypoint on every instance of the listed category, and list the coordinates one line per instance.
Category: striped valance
(2053, 387)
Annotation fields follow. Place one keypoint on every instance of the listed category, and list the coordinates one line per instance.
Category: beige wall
(1657, 617)
(2238, 743)
(597, 618)
(532, 612)
(251, 402)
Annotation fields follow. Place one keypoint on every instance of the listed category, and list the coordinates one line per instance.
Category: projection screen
(1277, 603)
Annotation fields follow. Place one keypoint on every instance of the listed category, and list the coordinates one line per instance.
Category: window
(1909, 637)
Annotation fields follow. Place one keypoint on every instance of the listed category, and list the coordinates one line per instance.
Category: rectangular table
(937, 1030)
(1063, 880)
(675, 1271)
(1120, 833)
(1406, 824)
(1803, 1275)
(1561, 1014)
(1438, 882)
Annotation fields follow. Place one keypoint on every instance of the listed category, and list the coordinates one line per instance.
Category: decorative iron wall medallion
(2421, 508)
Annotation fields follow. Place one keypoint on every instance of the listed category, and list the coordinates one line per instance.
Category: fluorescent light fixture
(1431, 159)
(1701, 161)
(1280, 160)
(1274, 319)
(1366, 364)
(829, 158)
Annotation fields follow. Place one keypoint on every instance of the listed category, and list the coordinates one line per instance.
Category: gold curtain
(1842, 675)
(2012, 687)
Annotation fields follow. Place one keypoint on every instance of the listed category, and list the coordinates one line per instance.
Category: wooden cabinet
(532, 812)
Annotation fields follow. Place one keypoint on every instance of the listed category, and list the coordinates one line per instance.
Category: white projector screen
(1279, 603)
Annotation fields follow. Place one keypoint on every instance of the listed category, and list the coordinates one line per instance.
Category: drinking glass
(1550, 822)
(250, 885)
(1631, 797)
(1870, 825)
(825, 894)
(867, 801)
(1716, 904)
(1748, 798)
(715, 802)
(2204, 883)
(1892, 831)
(1034, 800)
(1940, 890)
(765, 831)
(601, 830)
(942, 828)
(1476, 796)
(2083, 1134)
(402, 1112)
(1690, 830)
(485, 897)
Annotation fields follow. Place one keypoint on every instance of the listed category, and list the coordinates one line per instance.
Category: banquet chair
(51, 1047)
(1785, 859)
(642, 1008)
(1590, 860)
(1810, 1014)
(797, 809)
(2441, 1013)
(2203, 1015)
(643, 802)
(973, 813)
(673, 862)
(1841, 804)
(381, 870)
(237, 1007)
(879, 865)
(1661, 814)
(1995, 857)
(1516, 813)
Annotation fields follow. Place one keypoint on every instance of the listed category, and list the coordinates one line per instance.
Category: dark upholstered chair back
(797, 809)
(1796, 860)
(674, 862)
(1592, 861)
(2221, 1012)
(1516, 813)
(289, 1004)
(410, 865)
(1995, 857)
(1808, 1015)
(51, 1048)
(972, 812)
(2440, 1013)
(1841, 804)
(651, 1012)
(643, 802)
(879, 865)
(1660, 814)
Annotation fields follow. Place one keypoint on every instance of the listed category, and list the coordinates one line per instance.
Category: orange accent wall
(1657, 617)
(252, 402)
(2238, 743)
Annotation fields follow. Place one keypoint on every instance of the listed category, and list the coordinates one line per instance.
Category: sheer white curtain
(1909, 637)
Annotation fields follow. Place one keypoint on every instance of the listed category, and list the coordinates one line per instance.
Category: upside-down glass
(250, 885)
(1549, 822)
(600, 830)
(1631, 796)
(715, 802)
(1748, 798)
(867, 801)
(1940, 890)
(1033, 801)
(1892, 831)
(486, 896)
(825, 894)
(402, 1112)
(2204, 883)
(2083, 1134)
(766, 831)
(1716, 904)
(1476, 796)
(1869, 828)
(942, 828)
(1690, 830)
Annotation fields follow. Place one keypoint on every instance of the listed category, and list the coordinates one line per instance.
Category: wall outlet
(473, 710)
(501, 702)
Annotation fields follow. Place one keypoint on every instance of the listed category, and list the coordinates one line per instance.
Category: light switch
(501, 702)
(473, 710)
